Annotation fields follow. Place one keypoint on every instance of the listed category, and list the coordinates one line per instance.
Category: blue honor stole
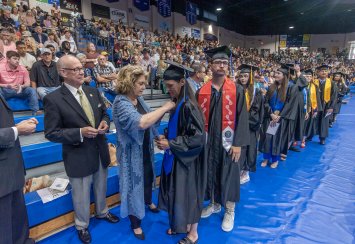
(168, 159)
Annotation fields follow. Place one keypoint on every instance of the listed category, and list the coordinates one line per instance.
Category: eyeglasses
(75, 70)
(219, 62)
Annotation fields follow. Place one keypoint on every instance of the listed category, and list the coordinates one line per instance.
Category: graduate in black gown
(328, 95)
(184, 172)
(255, 106)
(293, 114)
(339, 79)
(314, 105)
(226, 123)
(280, 110)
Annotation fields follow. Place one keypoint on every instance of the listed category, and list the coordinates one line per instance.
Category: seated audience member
(15, 81)
(88, 77)
(26, 59)
(105, 73)
(91, 55)
(6, 42)
(67, 37)
(65, 50)
(6, 18)
(52, 48)
(44, 75)
(39, 36)
(52, 41)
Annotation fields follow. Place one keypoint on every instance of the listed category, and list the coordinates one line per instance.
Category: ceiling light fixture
(218, 9)
(291, 27)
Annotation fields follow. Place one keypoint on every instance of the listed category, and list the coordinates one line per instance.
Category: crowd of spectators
(37, 39)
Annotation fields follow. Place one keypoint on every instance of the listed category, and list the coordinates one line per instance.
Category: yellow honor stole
(313, 95)
(327, 89)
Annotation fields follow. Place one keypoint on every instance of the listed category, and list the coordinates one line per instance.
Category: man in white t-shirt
(26, 59)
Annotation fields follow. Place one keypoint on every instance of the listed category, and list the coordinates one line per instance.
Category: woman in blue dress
(136, 130)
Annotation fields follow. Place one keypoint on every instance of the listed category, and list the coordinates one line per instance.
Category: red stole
(229, 109)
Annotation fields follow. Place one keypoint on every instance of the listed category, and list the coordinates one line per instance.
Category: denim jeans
(27, 93)
(42, 91)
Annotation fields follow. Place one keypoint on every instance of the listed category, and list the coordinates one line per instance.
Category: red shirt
(18, 76)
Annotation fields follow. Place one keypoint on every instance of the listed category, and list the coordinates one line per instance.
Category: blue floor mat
(310, 198)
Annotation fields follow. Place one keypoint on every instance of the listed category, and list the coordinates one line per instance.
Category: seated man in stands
(65, 49)
(27, 60)
(6, 19)
(15, 81)
(44, 75)
(149, 65)
(39, 36)
(105, 74)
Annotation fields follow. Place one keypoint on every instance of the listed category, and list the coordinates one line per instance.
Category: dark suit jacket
(11, 161)
(63, 119)
(44, 38)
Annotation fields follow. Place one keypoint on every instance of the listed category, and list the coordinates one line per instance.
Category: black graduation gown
(310, 123)
(182, 191)
(223, 179)
(322, 123)
(256, 115)
(289, 115)
(342, 89)
(299, 123)
(276, 143)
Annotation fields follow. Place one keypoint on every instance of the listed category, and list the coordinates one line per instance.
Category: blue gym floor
(310, 198)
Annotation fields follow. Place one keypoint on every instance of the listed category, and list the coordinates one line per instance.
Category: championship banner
(71, 5)
(283, 41)
(306, 40)
(164, 8)
(142, 5)
(191, 13)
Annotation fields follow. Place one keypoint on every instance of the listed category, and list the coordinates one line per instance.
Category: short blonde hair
(127, 77)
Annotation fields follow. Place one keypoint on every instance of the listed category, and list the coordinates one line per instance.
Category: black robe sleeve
(333, 95)
(241, 132)
(319, 100)
(290, 108)
(191, 138)
(256, 112)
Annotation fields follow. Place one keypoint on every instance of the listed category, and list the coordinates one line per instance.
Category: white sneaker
(211, 209)
(244, 178)
(228, 221)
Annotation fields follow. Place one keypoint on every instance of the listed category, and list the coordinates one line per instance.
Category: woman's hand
(169, 105)
(163, 144)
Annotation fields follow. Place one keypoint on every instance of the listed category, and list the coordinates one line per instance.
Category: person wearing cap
(339, 79)
(280, 112)
(15, 81)
(44, 75)
(313, 107)
(184, 173)
(221, 98)
(136, 127)
(195, 79)
(328, 94)
(255, 106)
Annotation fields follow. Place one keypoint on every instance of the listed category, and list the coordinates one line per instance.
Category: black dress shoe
(292, 148)
(84, 236)
(153, 210)
(110, 218)
(140, 236)
(322, 142)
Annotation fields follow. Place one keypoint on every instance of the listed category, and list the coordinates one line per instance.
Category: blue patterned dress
(130, 155)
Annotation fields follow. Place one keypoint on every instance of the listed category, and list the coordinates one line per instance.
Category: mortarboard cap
(338, 73)
(175, 71)
(323, 66)
(308, 72)
(245, 68)
(222, 52)
(289, 68)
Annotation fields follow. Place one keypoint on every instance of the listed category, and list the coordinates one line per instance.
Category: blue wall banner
(142, 5)
(164, 8)
(191, 13)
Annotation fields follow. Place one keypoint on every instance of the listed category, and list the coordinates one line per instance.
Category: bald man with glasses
(75, 115)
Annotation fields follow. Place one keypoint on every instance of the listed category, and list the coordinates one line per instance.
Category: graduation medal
(229, 107)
